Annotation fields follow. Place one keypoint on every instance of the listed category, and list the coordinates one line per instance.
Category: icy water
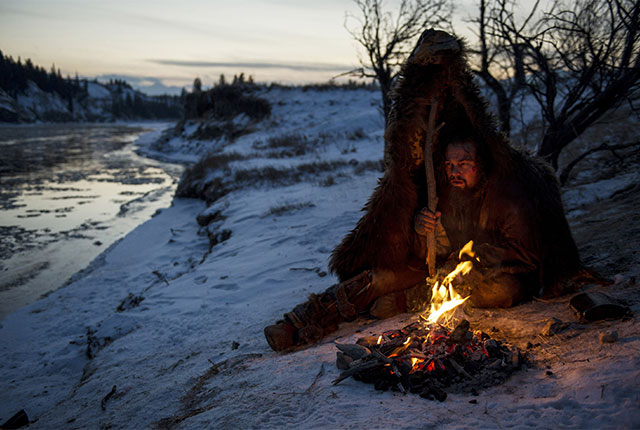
(67, 192)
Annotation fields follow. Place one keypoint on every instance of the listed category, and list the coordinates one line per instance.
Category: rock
(609, 337)
(553, 326)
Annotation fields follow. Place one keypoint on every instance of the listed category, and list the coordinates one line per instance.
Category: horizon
(160, 48)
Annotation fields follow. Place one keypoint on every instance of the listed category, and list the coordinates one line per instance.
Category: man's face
(461, 165)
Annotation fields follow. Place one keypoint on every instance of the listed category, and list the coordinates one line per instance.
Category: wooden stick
(361, 368)
(432, 195)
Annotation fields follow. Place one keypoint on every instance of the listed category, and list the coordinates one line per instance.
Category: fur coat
(384, 237)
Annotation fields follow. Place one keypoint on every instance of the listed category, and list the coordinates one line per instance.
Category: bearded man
(505, 201)
(505, 248)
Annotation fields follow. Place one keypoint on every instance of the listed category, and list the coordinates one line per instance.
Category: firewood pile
(429, 359)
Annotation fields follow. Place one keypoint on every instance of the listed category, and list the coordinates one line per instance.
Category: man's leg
(504, 291)
(400, 292)
(322, 313)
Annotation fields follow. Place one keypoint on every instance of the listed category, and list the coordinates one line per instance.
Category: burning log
(427, 359)
(343, 361)
(353, 351)
(361, 367)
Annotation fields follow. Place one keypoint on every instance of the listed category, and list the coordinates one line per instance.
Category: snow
(98, 91)
(6, 102)
(192, 354)
(588, 194)
(35, 101)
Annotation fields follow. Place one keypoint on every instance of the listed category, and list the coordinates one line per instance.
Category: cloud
(299, 67)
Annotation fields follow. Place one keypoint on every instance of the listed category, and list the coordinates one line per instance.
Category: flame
(379, 340)
(443, 297)
(467, 249)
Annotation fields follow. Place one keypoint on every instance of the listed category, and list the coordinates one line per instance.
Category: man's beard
(462, 200)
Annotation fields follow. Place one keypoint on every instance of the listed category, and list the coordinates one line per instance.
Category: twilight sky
(169, 43)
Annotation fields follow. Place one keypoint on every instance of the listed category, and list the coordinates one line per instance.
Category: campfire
(432, 356)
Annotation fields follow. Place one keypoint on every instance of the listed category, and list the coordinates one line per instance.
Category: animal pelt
(384, 238)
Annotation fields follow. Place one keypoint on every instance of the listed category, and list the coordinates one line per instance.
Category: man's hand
(425, 221)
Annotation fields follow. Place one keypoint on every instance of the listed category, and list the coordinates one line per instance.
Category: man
(507, 202)
(504, 249)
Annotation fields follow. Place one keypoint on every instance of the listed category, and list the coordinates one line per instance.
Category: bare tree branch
(387, 38)
(577, 60)
(564, 175)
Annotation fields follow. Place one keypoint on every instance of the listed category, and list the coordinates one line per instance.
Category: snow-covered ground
(161, 333)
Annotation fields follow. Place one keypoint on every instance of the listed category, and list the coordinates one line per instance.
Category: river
(67, 192)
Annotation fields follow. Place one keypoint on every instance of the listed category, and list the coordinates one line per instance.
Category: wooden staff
(432, 195)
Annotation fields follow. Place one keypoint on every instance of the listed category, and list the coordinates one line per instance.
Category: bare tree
(578, 60)
(388, 38)
(499, 61)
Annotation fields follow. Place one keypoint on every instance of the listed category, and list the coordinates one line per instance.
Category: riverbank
(164, 332)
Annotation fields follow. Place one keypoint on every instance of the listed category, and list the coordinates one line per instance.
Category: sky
(162, 44)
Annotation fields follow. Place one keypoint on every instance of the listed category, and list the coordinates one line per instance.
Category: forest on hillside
(124, 103)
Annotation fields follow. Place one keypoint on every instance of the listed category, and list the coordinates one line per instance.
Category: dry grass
(213, 178)
(286, 176)
(356, 134)
(365, 166)
(288, 207)
(191, 182)
(220, 129)
(285, 146)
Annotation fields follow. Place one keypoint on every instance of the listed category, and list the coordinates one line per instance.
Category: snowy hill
(102, 102)
(164, 330)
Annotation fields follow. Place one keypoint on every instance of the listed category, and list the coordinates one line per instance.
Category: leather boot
(321, 314)
(280, 336)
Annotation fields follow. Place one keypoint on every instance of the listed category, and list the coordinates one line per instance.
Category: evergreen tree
(197, 85)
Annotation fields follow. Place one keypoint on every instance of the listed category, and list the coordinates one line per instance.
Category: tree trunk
(384, 79)
(552, 143)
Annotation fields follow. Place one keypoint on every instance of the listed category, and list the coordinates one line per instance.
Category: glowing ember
(443, 297)
(427, 359)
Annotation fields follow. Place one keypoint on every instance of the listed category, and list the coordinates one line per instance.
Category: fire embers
(429, 360)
